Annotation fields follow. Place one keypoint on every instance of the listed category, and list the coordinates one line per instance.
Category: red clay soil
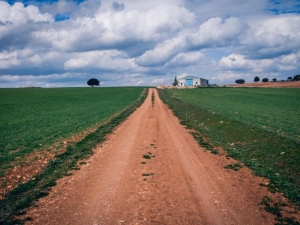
(180, 183)
(286, 84)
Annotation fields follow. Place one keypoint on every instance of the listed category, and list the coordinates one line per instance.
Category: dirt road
(152, 171)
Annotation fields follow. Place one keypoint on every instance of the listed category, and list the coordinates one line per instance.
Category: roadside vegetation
(257, 126)
(54, 114)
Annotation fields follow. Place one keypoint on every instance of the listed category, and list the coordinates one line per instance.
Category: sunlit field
(258, 126)
(34, 118)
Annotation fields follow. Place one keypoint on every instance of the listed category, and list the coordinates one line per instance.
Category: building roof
(190, 77)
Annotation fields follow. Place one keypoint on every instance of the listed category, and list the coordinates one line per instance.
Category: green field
(32, 119)
(275, 110)
(260, 127)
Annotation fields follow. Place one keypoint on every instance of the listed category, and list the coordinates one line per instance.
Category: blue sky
(131, 42)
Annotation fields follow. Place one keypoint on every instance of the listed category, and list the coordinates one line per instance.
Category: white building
(191, 81)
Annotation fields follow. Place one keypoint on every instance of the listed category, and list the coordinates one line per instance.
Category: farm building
(191, 81)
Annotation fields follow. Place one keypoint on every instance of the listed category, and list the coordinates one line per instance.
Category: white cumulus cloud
(217, 33)
(104, 60)
(186, 59)
(147, 42)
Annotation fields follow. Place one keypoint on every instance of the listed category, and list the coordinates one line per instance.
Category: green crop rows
(34, 118)
(257, 126)
(275, 110)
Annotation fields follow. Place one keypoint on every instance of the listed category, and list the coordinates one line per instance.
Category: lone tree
(240, 81)
(265, 80)
(175, 83)
(256, 79)
(93, 82)
(274, 79)
(290, 78)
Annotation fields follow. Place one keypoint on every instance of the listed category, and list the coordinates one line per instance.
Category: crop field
(275, 110)
(260, 127)
(32, 119)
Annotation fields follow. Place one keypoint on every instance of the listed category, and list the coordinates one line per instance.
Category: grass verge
(275, 208)
(267, 154)
(24, 195)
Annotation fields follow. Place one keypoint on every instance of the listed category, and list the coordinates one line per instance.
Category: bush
(240, 81)
(265, 80)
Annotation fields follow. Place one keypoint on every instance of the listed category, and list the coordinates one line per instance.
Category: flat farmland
(260, 127)
(32, 119)
(275, 110)
(149, 169)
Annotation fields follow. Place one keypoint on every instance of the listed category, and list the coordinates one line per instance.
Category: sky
(64, 43)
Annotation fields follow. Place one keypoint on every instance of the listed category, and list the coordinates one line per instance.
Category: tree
(297, 77)
(256, 79)
(240, 81)
(93, 82)
(175, 83)
(274, 79)
(265, 80)
(290, 78)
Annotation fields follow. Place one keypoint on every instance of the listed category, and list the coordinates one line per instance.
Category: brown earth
(286, 84)
(181, 183)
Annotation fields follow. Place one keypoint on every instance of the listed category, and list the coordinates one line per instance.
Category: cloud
(118, 6)
(161, 53)
(185, 59)
(211, 34)
(273, 37)
(112, 29)
(238, 64)
(60, 7)
(227, 8)
(101, 60)
(52, 80)
(217, 33)
(146, 42)
(17, 22)
(18, 14)
(28, 61)
(270, 49)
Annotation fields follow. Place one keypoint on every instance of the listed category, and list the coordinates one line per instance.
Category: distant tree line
(257, 79)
